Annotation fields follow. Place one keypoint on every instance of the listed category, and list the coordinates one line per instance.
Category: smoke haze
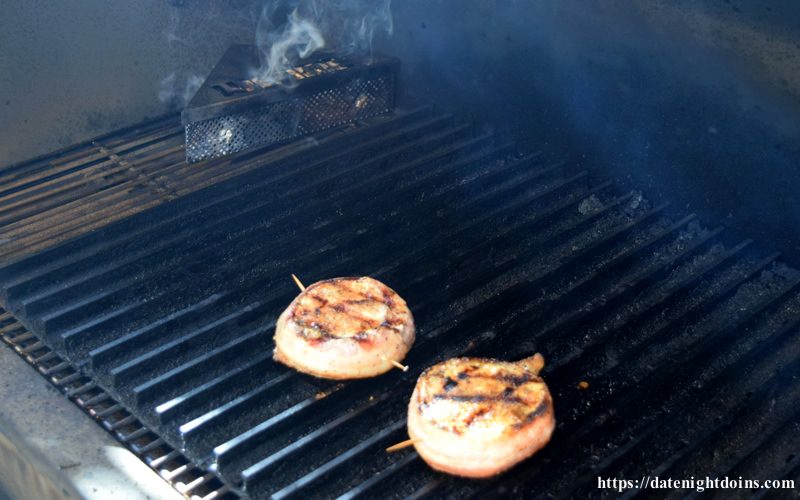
(177, 89)
(289, 31)
(280, 48)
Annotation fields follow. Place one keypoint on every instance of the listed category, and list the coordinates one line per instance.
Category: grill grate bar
(700, 354)
(668, 294)
(46, 163)
(630, 286)
(113, 349)
(263, 466)
(431, 139)
(194, 398)
(646, 215)
(527, 254)
(759, 354)
(45, 262)
(383, 437)
(539, 218)
(365, 487)
(469, 302)
(623, 257)
(66, 315)
(427, 348)
(150, 389)
(572, 400)
(156, 357)
(224, 166)
(164, 245)
(68, 383)
(779, 453)
(190, 429)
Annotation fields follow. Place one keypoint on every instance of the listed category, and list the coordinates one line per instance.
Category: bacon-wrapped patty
(344, 328)
(477, 417)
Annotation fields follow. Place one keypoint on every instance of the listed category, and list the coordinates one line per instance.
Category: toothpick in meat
(401, 445)
(298, 283)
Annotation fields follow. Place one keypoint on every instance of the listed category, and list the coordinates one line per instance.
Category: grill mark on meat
(543, 407)
(479, 398)
(483, 389)
(512, 383)
(476, 415)
(347, 300)
(510, 379)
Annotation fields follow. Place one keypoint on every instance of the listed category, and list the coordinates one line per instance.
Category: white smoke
(177, 89)
(279, 51)
(286, 32)
(172, 29)
(187, 49)
(359, 22)
(343, 26)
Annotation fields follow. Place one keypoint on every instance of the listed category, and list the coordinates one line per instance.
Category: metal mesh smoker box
(234, 112)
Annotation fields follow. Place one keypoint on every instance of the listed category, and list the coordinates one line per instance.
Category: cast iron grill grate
(171, 310)
(170, 464)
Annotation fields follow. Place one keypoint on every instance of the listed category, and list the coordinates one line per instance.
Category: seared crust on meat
(349, 308)
(478, 417)
(344, 328)
(466, 394)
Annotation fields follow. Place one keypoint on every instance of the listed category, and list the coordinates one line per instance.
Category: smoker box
(232, 112)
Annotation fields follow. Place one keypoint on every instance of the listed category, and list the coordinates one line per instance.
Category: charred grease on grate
(235, 112)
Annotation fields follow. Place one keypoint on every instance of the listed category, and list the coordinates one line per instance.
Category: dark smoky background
(694, 102)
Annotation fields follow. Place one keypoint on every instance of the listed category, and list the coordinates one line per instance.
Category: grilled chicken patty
(344, 328)
(477, 417)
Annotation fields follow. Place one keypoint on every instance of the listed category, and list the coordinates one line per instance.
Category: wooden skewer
(396, 364)
(402, 444)
(298, 283)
